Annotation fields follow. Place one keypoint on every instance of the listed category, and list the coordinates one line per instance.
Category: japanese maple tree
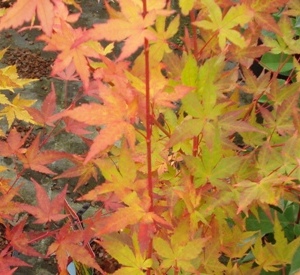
(191, 159)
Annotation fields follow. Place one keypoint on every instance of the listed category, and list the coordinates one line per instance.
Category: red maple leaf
(20, 240)
(7, 260)
(46, 210)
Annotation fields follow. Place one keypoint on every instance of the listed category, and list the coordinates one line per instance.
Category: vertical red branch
(148, 113)
(148, 122)
(148, 127)
(194, 33)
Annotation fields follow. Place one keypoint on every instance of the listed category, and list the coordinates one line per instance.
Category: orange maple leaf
(24, 11)
(131, 27)
(74, 47)
(7, 206)
(115, 114)
(46, 210)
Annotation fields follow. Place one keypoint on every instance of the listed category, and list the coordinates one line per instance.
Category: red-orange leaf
(48, 107)
(13, 143)
(46, 210)
(7, 260)
(119, 220)
(36, 159)
(81, 170)
(20, 240)
(67, 244)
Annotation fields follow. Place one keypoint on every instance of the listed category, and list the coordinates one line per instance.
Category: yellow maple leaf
(16, 110)
(223, 26)
(9, 78)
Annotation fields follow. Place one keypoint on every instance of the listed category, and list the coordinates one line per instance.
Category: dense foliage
(200, 155)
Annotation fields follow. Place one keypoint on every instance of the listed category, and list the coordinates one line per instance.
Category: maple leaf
(43, 117)
(162, 92)
(281, 120)
(9, 78)
(75, 48)
(46, 210)
(115, 114)
(67, 244)
(255, 85)
(36, 159)
(293, 8)
(7, 260)
(7, 206)
(111, 202)
(236, 15)
(271, 256)
(132, 27)
(179, 250)
(230, 123)
(20, 240)
(118, 220)
(262, 12)
(263, 191)
(17, 110)
(245, 56)
(75, 127)
(13, 143)
(15, 16)
(287, 41)
(81, 170)
(132, 261)
(68, 74)
(160, 46)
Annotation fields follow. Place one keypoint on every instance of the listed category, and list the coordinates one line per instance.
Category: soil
(31, 62)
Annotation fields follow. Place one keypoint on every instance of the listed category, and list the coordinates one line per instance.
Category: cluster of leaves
(196, 181)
